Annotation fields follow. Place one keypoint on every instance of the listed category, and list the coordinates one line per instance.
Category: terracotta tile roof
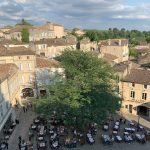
(144, 59)
(15, 51)
(55, 24)
(7, 70)
(46, 63)
(140, 76)
(18, 28)
(121, 67)
(143, 50)
(5, 41)
(114, 42)
(57, 42)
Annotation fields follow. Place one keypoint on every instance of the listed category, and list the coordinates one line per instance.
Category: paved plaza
(27, 118)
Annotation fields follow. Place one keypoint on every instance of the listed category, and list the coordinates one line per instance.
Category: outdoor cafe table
(42, 144)
(33, 126)
(2, 146)
(36, 121)
(10, 130)
(116, 127)
(131, 123)
(6, 137)
(105, 127)
(40, 138)
(129, 129)
(115, 132)
(55, 144)
(51, 131)
(23, 148)
(117, 123)
(126, 133)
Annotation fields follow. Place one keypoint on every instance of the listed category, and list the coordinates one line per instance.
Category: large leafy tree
(24, 22)
(87, 94)
(25, 35)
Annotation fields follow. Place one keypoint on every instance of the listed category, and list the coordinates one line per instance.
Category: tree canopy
(25, 35)
(133, 52)
(86, 94)
(24, 22)
(135, 37)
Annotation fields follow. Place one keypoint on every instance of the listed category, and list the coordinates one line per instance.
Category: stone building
(25, 60)
(135, 91)
(9, 86)
(15, 32)
(53, 47)
(47, 31)
(46, 73)
(116, 47)
(86, 45)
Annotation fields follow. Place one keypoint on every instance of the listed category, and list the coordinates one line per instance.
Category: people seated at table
(106, 139)
(71, 142)
(55, 145)
(41, 145)
(90, 138)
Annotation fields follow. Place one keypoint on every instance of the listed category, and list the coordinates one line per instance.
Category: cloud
(86, 13)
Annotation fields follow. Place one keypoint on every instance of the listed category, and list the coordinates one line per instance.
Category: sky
(84, 14)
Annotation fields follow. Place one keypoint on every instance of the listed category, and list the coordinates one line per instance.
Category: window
(132, 94)
(126, 106)
(28, 57)
(19, 57)
(29, 66)
(145, 86)
(144, 96)
(20, 66)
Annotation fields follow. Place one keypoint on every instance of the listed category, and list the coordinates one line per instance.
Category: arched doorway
(27, 92)
(144, 111)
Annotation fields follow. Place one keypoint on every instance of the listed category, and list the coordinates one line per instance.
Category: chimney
(119, 42)
(109, 42)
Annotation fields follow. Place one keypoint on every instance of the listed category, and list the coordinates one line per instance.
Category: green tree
(93, 35)
(25, 35)
(87, 94)
(133, 52)
(24, 22)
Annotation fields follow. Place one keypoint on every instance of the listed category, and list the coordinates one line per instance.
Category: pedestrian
(24, 109)
(30, 105)
(20, 139)
(19, 145)
(6, 145)
(124, 121)
(120, 120)
(17, 121)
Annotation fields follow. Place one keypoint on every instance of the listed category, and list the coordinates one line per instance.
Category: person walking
(20, 139)
(6, 143)
(24, 109)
